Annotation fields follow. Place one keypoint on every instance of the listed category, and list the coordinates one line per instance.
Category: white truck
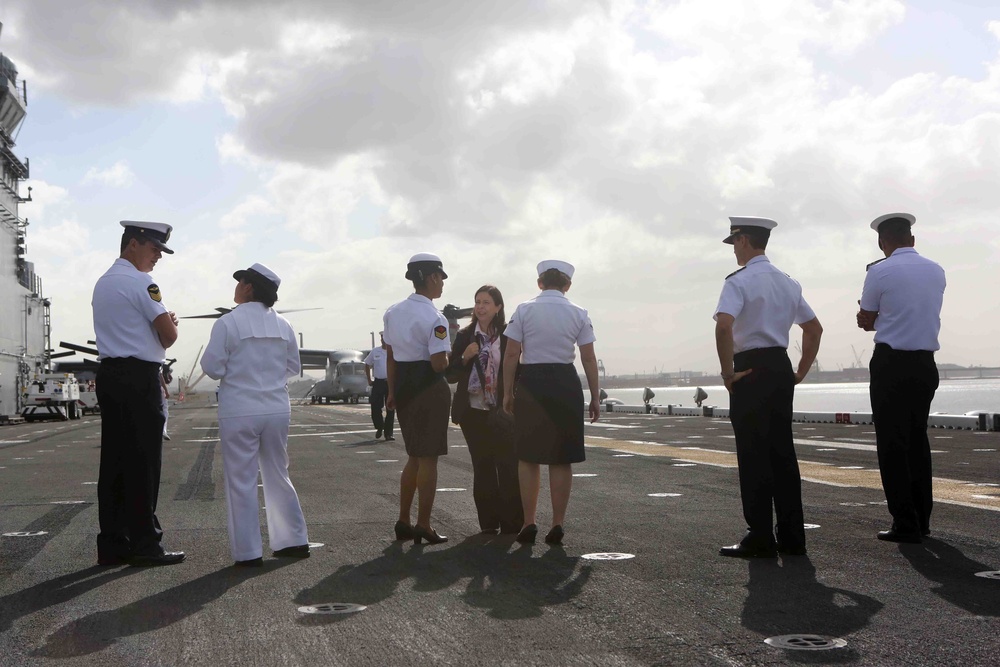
(52, 396)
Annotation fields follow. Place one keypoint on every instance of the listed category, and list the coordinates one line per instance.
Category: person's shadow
(955, 573)
(509, 584)
(788, 599)
(95, 632)
(55, 591)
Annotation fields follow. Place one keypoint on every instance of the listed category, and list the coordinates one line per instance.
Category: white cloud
(618, 135)
(118, 175)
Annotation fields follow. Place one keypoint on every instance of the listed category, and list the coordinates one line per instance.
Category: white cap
(157, 232)
(741, 224)
(424, 263)
(258, 271)
(889, 216)
(558, 265)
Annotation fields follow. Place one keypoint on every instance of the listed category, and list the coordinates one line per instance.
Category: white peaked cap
(259, 270)
(558, 265)
(740, 224)
(889, 216)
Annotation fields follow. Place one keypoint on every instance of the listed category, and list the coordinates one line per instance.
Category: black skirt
(423, 403)
(548, 414)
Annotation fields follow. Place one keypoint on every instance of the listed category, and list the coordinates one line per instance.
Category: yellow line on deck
(951, 491)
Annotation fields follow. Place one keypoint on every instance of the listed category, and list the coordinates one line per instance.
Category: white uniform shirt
(253, 350)
(415, 329)
(907, 291)
(549, 327)
(376, 359)
(765, 303)
(126, 301)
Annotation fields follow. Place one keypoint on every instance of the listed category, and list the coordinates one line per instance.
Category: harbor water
(954, 397)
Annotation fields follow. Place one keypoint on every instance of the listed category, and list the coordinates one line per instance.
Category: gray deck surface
(487, 600)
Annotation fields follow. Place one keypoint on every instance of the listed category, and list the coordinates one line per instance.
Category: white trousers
(259, 443)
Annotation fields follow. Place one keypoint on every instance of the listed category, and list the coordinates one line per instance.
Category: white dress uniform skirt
(259, 443)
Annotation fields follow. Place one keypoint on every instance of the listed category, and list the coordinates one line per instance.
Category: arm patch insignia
(154, 293)
(440, 332)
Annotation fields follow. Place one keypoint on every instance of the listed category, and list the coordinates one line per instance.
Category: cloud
(118, 175)
(617, 134)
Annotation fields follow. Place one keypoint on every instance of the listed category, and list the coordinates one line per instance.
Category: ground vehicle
(52, 396)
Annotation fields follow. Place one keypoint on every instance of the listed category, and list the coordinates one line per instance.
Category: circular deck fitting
(26, 534)
(333, 608)
(316, 545)
(449, 488)
(664, 495)
(585, 474)
(810, 526)
(989, 575)
(806, 642)
(607, 556)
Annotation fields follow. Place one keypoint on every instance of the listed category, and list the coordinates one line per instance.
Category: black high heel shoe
(404, 531)
(555, 535)
(527, 534)
(431, 536)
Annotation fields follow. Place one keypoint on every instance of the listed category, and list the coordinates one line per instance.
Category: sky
(333, 140)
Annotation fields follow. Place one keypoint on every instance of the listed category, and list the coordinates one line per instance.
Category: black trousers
(129, 393)
(380, 391)
(902, 387)
(761, 414)
(495, 486)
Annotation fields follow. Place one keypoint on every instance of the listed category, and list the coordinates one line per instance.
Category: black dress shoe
(555, 535)
(253, 562)
(431, 536)
(389, 437)
(300, 551)
(893, 535)
(527, 534)
(153, 560)
(797, 550)
(378, 433)
(748, 551)
(404, 531)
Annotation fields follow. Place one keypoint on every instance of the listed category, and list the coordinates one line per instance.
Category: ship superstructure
(24, 310)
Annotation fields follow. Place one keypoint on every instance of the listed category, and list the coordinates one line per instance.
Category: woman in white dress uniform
(253, 351)
(547, 399)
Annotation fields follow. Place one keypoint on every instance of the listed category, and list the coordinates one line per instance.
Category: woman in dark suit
(476, 367)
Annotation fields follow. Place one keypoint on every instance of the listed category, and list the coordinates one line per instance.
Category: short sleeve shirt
(376, 359)
(907, 292)
(764, 303)
(415, 329)
(125, 302)
(549, 328)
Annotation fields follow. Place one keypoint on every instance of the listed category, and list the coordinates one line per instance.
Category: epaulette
(875, 262)
(734, 273)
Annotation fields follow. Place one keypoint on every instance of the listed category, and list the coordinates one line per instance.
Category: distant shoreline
(815, 377)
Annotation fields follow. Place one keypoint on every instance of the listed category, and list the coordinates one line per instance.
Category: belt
(885, 347)
(130, 362)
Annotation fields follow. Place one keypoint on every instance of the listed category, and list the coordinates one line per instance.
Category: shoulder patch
(440, 332)
(874, 263)
(154, 293)
(734, 273)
